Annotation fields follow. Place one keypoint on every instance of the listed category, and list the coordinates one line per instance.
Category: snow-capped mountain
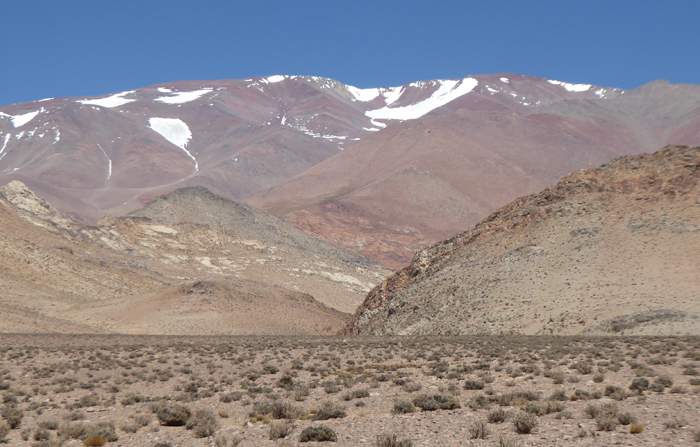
(98, 155)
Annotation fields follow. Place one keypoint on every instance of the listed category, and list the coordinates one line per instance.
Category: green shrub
(317, 434)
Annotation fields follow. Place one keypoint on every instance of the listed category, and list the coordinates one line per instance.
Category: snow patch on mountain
(571, 87)
(4, 145)
(108, 102)
(391, 94)
(109, 162)
(183, 97)
(448, 91)
(506, 80)
(275, 78)
(363, 94)
(175, 131)
(21, 120)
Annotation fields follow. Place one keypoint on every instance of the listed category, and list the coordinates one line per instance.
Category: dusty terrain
(587, 391)
(609, 250)
(189, 263)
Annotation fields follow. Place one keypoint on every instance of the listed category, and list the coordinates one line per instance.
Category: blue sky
(78, 47)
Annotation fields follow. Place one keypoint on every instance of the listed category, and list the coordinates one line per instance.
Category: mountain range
(382, 171)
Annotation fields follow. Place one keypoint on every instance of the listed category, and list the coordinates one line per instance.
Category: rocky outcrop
(602, 243)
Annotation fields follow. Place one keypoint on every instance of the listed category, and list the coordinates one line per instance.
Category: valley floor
(587, 391)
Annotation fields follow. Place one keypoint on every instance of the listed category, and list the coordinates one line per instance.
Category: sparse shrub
(606, 422)
(360, 394)
(223, 440)
(412, 387)
(479, 430)
(636, 428)
(132, 399)
(281, 429)
(94, 441)
(317, 434)
(497, 416)
(524, 423)
(301, 392)
(402, 406)
(88, 400)
(48, 424)
(657, 388)
(626, 418)
(559, 395)
(583, 367)
(474, 385)
(696, 435)
(13, 416)
(435, 402)
(639, 385)
(391, 440)
(329, 410)
(675, 423)
(130, 427)
(203, 423)
(507, 441)
(677, 390)
(665, 381)
(42, 435)
(599, 378)
(4, 430)
(75, 430)
(173, 415)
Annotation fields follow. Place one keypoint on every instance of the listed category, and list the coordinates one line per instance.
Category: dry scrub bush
(479, 430)
(319, 433)
(4, 430)
(402, 406)
(524, 423)
(173, 415)
(392, 440)
(94, 441)
(636, 428)
(435, 402)
(330, 410)
(497, 416)
(281, 429)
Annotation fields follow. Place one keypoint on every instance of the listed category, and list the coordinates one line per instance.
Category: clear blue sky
(80, 47)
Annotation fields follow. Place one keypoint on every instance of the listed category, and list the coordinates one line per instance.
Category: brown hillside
(613, 249)
(142, 275)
